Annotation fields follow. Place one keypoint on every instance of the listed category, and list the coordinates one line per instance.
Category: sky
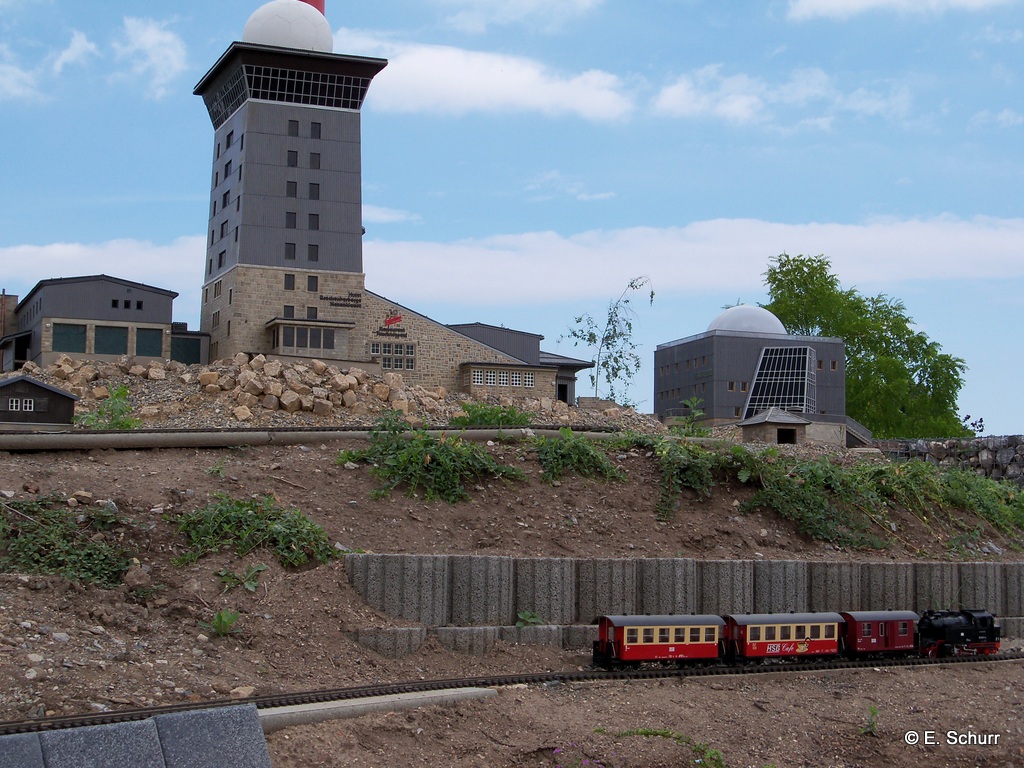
(523, 160)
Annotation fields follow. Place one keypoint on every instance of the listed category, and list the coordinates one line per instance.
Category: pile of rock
(253, 390)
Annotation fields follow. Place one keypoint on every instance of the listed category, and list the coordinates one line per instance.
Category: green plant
(575, 453)
(247, 525)
(417, 460)
(529, 619)
(112, 413)
(217, 470)
(223, 623)
(689, 424)
(250, 579)
(704, 754)
(485, 415)
(870, 727)
(44, 536)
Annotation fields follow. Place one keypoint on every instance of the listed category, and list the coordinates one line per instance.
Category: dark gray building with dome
(744, 364)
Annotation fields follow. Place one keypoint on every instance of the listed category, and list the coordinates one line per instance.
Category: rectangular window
(694, 634)
(236, 234)
(710, 635)
(138, 305)
(410, 363)
(785, 633)
(113, 304)
(385, 363)
(14, 404)
(289, 311)
(375, 348)
(293, 127)
(220, 259)
(314, 338)
(527, 379)
(732, 386)
(328, 338)
(769, 633)
(865, 629)
(223, 228)
(291, 189)
(663, 635)
(293, 158)
(288, 337)
(631, 636)
(215, 322)
(314, 130)
(399, 349)
(314, 221)
(386, 348)
(111, 340)
(516, 379)
(754, 634)
(230, 139)
(314, 191)
(311, 313)
(289, 251)
(149, 342)
(801, 632)
(127, 303)
(398, 361)
(217, 287)
(502, 378)
(815, 632)
(410, 350)
(289, 282)
(231, 293)
(679, 635)
(830, 631)
(313, 252)
(904, 627)
(314, 161)
(491, 378)
(833, 365)
(478, 379)
(312, 283)
(227, 169)
(648, 635)
(301, 337)
(290, 219)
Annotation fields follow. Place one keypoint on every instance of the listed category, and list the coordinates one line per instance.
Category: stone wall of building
(995, 457)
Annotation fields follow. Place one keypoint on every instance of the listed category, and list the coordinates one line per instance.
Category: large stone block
(1012, 628)
(1013, 589)
(393, 643)
(834, 586)
(546, 586)
(780, 586)
(476, 641)
(545, 634)
(936, 586)
(726, 586)
(605, 586)
(22, 750)
(667, 586)
(228, 737)
(887, 586)
(136, 744)
(483, 591)
(981, 587)
(413, 587)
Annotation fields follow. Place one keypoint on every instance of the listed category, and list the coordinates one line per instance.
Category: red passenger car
(868, 632)
(782, 635)
(634, 639)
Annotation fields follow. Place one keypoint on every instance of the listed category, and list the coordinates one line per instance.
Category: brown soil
(67, 649)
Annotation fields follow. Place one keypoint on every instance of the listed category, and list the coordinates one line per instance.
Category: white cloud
(743, 99)
(1006, 118)
(844, 9)
(993, 34)
(79, 49)
(153, 52)
(15, 82)
(447, 80)
(551, 184)
(373, 214)
(476, 15)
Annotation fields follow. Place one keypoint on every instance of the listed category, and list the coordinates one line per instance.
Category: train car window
(785, 633)
(754, 634)
(680, 635)
(663, 634)
(769, 633)
(815, 632)
(881, 629)
(801, 632)
(904, 629)
(710, 635)
(648, 634)
(631, 636)
(830, 631)
(865, 629)
(694, 634)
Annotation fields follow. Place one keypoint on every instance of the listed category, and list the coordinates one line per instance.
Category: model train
(755, 637)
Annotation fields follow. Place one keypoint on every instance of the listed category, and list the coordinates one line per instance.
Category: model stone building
(745, 364)
(283, 273)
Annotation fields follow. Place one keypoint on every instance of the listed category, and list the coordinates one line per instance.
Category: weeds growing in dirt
(250, 524)
(485, 415)
(439, 467)
(703, 754)
(250, 579)
(222, 624)
(45, 536)
(528, 619)
(112, 413)
(870, 727)
(574, 453)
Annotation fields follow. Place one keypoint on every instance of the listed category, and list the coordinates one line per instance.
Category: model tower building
(284, 265)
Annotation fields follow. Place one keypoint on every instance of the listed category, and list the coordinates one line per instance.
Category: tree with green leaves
(899, 383)
(615, 359)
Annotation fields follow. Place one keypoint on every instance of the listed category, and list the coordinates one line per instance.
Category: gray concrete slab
(227, 737)
(726, 586)
(834, 587)
(546, 634)
(982, 586)
(483, 591)
(579, 637)
(546, 586)
(667, 585)
(476, 641)
(134, 744)
(887, 587)
(936, 586)
(21, 750)
(1012, 627)
(780, 586)
(1013, 589)
(605, 586)
(393, 642)
(413, 587)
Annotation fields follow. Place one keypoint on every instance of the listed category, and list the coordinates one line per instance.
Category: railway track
(490, 681)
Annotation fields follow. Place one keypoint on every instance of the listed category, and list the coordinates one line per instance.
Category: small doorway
(563, 392)
(785, 436)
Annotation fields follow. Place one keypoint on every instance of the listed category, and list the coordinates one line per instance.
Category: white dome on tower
(745, 317)
(289, 24)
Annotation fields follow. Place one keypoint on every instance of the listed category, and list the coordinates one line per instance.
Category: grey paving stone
(887, 587)
(834, 586)
(605, 587)
(546, 586)
(667, 585)
(476, 641)
(1013, 589)
(134, 744)
(546, 634)
(21, 750)
(393, 643)
(726, 586)
(483, 591)
(225, 737)
(936, 586)
(981, 586)
(780, 586)
(579, 637)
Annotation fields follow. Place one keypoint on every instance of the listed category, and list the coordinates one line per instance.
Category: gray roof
(30, 380)
(774, 416)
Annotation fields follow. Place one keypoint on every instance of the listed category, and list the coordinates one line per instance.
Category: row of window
(866, 629)
(314, 129)
(791, 632)
(127, 304)
(291, 189)
(301, 337)
(395, 357)
(677, 635)
(229, 140)
(291, 159)
(489, 378)
(291, 220)
(21, 404)
(312, 252)
(312, 282)
(107, 340)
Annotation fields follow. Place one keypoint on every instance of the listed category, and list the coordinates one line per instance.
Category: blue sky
(523, 159)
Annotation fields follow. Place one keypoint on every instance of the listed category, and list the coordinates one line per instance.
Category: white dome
(289, 24)
(745, 317)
